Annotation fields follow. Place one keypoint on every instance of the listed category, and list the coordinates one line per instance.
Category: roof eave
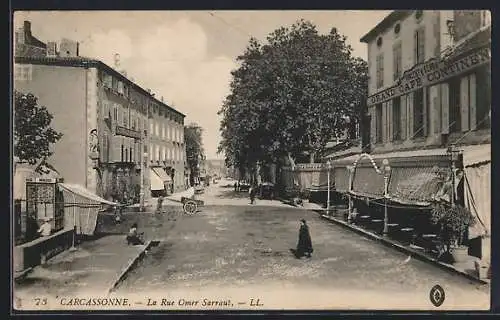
(91, 63)
(384, 24)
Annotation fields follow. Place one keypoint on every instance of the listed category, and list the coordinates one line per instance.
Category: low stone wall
(33, 253)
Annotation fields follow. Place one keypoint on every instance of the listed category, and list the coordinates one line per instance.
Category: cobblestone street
(245, 249)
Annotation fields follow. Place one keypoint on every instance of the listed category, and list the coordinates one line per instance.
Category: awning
(477, 187)
(415, 185)
(367, 182)
(81, 208)
(476, 155)
(341, 178)
(157, 183)
(162, 174)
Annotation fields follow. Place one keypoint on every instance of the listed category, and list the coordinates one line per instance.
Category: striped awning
(162, 174)
(157, 183)
(415, 185)
(81, 208)
(368, 183)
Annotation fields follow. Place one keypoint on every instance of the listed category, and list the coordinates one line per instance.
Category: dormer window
(379, 41)
(397, 29)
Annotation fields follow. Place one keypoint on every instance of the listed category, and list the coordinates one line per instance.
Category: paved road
(242, 251)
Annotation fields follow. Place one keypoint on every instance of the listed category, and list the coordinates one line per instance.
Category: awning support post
(349, 188)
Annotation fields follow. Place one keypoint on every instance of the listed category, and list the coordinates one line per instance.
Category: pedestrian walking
(159, 204)
(235, 187)
(252, 191)
(304, 246)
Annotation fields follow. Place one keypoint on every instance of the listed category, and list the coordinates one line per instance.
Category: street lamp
(387, 170)
(453, 152)
(329, 167)
(143, 166)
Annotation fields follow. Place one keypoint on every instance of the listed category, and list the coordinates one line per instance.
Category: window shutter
(403, 113)
(117, 149)
(389, 124)
(464, 103)
(445, 108)
(473, 101)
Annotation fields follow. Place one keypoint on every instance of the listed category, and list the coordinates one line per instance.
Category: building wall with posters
(415, 99)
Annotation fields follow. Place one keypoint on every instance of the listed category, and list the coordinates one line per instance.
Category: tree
(291, 96)
(194, 147)
(33, 134)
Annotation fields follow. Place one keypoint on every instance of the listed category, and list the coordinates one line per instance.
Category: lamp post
(328, 166)
(350, 170)
(387, 170)
(453, 152)
(143, 166)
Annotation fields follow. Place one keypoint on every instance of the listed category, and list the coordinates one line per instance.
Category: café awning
(162, 174)
(157, 183)
(81, 208)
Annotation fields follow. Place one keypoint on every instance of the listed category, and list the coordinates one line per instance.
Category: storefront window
(483, 97)
(380, 71)
(396, 119)
(418, 113)
(454, 100)
(378, 123)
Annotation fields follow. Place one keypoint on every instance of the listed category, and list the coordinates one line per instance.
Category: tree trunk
(311, 157)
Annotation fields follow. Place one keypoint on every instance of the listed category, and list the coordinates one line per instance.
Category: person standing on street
(253, 192)
(304, 246)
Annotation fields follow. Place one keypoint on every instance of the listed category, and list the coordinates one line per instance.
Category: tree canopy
(194, 146)
(33, 134)
(291, 96)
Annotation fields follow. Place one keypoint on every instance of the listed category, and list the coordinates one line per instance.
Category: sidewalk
(465, 270)
(94, 267)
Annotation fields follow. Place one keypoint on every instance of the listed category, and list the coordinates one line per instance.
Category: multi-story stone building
(430, 108)
(114, 131)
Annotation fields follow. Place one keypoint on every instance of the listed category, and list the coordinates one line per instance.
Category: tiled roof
(85, 62)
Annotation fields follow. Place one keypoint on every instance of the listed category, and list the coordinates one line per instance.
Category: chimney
(68, 48)
(27, 28)
(161, 98)
(149, 91)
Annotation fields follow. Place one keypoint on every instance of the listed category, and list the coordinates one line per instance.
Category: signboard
(430, 73)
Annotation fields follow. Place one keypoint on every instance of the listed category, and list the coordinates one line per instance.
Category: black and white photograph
(201, 160)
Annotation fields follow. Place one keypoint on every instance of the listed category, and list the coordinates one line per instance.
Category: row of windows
(469, 108)
(397, 56)
(122, 88)
(164, 131)
(163, 153)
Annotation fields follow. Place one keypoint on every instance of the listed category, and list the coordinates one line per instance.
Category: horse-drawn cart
(190, 205)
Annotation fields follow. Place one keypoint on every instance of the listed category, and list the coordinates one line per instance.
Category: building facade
(415, 100)
(112, 143)
(429, 105)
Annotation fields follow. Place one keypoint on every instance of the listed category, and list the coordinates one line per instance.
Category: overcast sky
(186, 56)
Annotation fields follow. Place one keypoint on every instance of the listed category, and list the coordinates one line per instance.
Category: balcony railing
(122, 131)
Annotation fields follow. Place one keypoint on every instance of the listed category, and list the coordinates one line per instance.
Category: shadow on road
(226, 194)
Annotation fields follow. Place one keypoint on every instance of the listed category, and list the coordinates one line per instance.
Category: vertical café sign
(430, 73)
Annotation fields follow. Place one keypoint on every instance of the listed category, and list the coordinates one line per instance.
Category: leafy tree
(33, 134)
(194, 147)
(291, 95)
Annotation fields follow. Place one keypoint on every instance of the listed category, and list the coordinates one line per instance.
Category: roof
(386, 23)
(85, 62)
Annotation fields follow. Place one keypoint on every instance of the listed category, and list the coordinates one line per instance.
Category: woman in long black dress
(304, 246)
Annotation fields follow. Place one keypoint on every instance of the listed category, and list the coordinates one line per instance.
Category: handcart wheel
(190, 207)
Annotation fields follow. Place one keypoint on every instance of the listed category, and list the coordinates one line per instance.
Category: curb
(402, 248)
(131, 263)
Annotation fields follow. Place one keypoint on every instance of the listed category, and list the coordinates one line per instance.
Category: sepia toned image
(251, 160)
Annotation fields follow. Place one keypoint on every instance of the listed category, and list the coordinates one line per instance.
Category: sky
(186, 56)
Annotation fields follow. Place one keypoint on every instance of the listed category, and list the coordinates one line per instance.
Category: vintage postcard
(251, 160)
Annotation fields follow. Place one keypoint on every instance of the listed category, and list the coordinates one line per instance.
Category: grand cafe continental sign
(430, 73)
